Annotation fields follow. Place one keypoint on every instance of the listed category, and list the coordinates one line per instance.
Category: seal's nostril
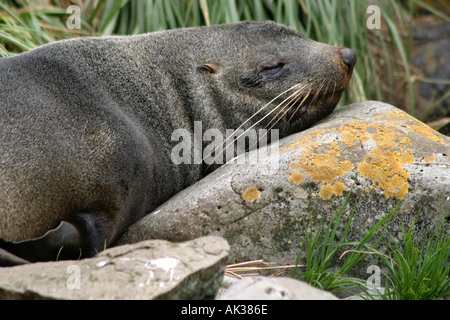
(349, 57)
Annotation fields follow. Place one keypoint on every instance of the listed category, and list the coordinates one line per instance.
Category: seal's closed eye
(273, 67)
(270, 72)
(263, 74)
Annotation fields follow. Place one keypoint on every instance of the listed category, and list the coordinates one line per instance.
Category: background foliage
(25, 24)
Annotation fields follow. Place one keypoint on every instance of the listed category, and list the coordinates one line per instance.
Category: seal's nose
(349, 57)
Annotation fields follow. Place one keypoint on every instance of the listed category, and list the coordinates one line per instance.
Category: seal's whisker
(297, 98)
(334, 88)
(289, 103)
(293, 95)
(289, 106)
(299, 106)
(328, 86)
(325, 91)
(293, 98)
(317, 93)
(283, 111)
(265, 106)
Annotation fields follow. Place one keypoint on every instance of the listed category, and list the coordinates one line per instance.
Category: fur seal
(86, 124)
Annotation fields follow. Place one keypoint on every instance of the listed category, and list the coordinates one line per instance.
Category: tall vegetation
(25, 24)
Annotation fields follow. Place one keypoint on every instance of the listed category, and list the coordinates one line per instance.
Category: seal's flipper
(63, 242)
(82, 235)
(7, 259)
(94, 228)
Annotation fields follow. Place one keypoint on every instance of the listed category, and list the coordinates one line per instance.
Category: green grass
(342, 23)
(416, 269)
(322, 251)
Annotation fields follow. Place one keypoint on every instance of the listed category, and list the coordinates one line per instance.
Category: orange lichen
(429, 159)
(387, 145)
(389, 137)
(296, 177)
(306, 140)
(328, 190)
(353, 131)
(251, 194)
(404, 120)
(385, 170)
(323, 167)
(384, 136)
(320, 166)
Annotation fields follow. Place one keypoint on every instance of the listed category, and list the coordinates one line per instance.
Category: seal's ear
(208, 67)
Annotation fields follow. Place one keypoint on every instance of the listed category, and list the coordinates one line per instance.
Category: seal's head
(290, 81)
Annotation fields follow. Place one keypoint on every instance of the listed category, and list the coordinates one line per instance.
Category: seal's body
(86, 124)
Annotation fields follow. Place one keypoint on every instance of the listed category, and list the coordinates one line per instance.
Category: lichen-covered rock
(382, 154)
(152, 269)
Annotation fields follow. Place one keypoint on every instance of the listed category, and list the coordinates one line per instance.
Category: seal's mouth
(325, 101)
(309, 109)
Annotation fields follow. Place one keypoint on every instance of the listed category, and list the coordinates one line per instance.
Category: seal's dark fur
(86, 124)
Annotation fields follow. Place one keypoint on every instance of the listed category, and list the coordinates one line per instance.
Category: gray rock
(147, 270)
(276, 288)
(385, 156)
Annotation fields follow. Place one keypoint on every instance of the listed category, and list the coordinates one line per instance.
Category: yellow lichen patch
(387, 145)
(389, 137)
(385, 170)
(353, 131)
(294, 166)
(384, 136)
(296, 177)
(335, 151)
(323, 167)
(383, 164)
(338, 188)
(403, 119)
(306, 140)
(251, 194)
(429, 159)
(328, 190)
(320, 166)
